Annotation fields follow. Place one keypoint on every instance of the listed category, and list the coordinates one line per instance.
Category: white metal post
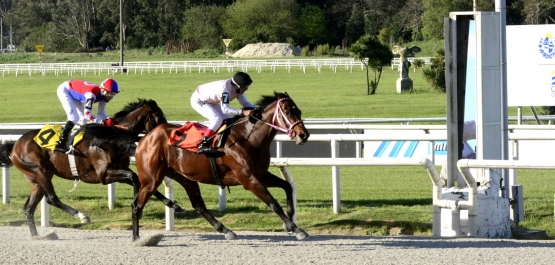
(44, 213)
(335, 178)
(5, 185)
(111, 195)
(5, 182)
(169, 211)
(221, 199)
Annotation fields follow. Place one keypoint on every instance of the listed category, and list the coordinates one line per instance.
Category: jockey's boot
(61, 146)
(205, 146)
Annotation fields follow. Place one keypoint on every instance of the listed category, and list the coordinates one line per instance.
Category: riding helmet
(110, 85)
(242, 79)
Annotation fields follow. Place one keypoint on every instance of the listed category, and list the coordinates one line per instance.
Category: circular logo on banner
(547, 48)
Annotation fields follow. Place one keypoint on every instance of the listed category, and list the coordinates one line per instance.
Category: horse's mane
(101, 136)
(269, 99)
(135, 105)
(264, 101)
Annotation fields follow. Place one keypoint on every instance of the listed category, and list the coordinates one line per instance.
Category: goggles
(108, 95)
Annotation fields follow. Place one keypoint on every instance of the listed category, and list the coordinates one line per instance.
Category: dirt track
(115, 247)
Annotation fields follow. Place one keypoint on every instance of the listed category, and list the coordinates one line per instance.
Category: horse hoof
(230, 235)
(149, 242)
(85, 220)
(49, 236)
(301, 235)
(178, 210)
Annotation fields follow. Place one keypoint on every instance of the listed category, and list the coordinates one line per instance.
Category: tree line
(70, 25)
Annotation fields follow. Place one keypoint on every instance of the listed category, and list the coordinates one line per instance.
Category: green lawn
(375, 200)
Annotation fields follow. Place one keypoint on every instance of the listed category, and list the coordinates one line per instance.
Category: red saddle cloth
(188, 136)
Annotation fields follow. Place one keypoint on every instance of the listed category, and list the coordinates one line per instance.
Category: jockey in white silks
(211, 100)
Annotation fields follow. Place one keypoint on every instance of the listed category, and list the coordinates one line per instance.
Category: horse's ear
(286, 95)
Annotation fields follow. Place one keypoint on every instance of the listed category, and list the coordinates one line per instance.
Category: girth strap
(214, 167)
(71, 157)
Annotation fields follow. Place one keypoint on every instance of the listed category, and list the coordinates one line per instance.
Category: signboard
(226, 42)
(531, 65)
(40, 47)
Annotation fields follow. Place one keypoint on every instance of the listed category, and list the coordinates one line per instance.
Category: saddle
(49, 135)
(190, 135)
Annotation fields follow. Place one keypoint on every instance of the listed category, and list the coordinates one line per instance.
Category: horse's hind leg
(169, 203)
(51, 198)
(193, 190)
(31, 205)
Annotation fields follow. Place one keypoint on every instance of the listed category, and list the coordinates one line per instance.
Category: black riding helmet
(241, 80)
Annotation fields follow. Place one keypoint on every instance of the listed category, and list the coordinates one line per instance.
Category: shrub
(322, 50)
(418, 63)
(305, 51)
(435, 75)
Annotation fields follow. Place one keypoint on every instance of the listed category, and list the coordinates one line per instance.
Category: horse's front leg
(193, 191)
(257, 188)
(270, 181)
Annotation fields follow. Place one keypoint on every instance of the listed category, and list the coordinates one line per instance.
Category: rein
(280, 126)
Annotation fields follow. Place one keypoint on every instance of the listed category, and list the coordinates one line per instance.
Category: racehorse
(244, 160)
(103, 156)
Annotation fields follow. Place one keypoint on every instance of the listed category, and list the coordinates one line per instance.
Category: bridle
(285, 128)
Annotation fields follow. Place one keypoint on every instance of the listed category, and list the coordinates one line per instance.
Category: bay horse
(103, 156)
(244, 160)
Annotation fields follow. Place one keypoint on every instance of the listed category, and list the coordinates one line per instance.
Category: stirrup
(61, 148)
(205, 149)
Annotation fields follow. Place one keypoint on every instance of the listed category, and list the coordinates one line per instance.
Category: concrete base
(492, 218)
(404, 85)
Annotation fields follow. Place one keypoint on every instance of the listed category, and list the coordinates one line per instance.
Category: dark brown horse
(244, 160)
(102, 157)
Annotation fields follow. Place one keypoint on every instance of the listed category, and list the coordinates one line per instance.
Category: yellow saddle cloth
(49, 135)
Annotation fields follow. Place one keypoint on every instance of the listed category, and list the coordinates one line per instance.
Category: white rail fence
(378, 133)
(175, 67)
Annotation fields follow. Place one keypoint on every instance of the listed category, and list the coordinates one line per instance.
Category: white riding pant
(74, 109)
(213, 112)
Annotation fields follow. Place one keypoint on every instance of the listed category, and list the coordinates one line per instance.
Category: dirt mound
(267, 50)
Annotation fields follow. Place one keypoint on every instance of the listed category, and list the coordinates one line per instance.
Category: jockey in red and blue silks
(77, 98)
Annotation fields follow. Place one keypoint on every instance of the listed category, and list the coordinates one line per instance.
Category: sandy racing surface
(76, 246)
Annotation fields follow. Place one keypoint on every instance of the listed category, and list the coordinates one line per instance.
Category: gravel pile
(267, 50)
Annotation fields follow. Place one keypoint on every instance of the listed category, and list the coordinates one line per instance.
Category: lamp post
(121, 34)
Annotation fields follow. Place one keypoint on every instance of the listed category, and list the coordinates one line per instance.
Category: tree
(436, 10)
(74, 20)
(202, 24)
(539, 11)
(313, 24)
(355, 25)
(252, 21)
(373, 55)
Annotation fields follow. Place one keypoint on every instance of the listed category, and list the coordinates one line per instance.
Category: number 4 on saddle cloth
(49, 135)
(190, 135)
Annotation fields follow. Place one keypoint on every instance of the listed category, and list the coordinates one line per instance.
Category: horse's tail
(113, 136)
(5, 151)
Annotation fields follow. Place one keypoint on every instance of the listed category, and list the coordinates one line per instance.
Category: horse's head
(286, 117)
(140, 115)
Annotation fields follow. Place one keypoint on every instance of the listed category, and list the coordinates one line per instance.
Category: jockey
(77, 97)
(211, 100)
